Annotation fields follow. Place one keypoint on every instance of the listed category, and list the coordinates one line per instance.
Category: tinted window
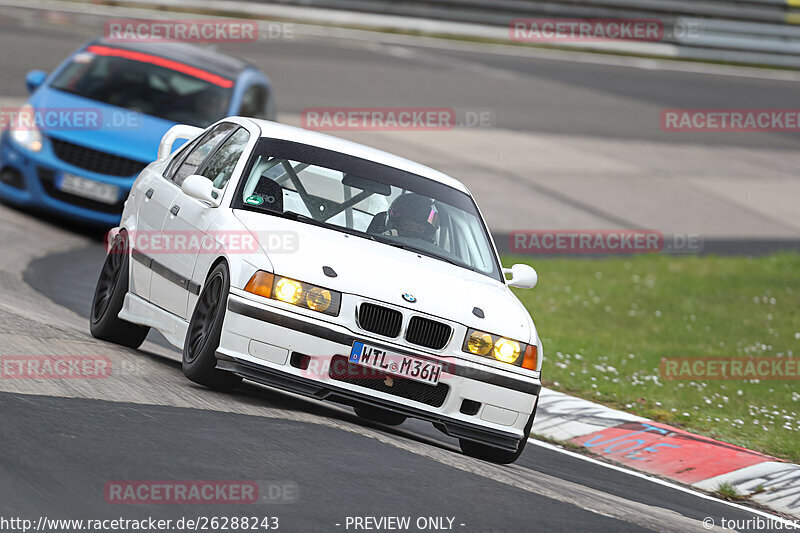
(177, 159)
(139, 85)
(254, 102)
(220, 167)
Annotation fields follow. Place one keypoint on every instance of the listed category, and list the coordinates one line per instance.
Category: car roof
(196, 56)
(275, 130)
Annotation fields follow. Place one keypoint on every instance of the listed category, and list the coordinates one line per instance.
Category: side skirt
(139, 311)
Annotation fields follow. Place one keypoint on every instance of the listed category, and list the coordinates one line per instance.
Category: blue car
(94, 123)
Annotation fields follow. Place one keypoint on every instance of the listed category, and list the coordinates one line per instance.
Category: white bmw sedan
(327, 269)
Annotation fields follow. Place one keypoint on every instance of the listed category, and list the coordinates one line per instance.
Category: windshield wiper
(292, 215)
(421, 251)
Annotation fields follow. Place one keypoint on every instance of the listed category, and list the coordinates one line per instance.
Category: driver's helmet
(412, 215)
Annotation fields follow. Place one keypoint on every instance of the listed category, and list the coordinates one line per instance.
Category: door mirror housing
(200, 188)
(34, 79)
(522, 276)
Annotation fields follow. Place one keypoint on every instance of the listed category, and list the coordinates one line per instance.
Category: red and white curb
(669, 452)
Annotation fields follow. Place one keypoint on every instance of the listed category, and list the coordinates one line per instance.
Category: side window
(254, 102)
(220, 167)
(177, 159)
(199, 152)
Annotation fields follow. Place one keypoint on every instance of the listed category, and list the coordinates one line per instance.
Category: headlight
(295, 292)
(24, 130)
(288, 290)
(500, 349)
(506, 351)
(479, 343)
(319, 299)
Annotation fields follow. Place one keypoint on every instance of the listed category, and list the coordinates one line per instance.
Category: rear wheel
(109, 295)
(496, 455)
(381, 416)
(205, 329)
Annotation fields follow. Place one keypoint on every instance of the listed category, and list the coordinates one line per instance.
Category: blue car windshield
(147, 84)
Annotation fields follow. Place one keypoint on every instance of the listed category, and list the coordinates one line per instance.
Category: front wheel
(109, 296)
(205, 329)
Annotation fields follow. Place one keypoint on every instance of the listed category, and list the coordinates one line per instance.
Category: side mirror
(34, 79)
(200, 188)
(522, 276)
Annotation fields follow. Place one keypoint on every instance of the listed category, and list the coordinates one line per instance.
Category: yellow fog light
(479, 343)
(288, 290)
(506, 350)
(319, 299)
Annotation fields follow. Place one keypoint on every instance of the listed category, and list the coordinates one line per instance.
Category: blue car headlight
(24, 131)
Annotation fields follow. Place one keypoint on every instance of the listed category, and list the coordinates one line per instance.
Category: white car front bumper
(308, 356)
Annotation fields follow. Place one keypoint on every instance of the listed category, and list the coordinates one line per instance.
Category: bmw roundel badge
(409, 298)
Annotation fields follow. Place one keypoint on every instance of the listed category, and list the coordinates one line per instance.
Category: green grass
(606, 323)
(728, 492)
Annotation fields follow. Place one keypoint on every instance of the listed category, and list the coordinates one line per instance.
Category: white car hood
(381, 272)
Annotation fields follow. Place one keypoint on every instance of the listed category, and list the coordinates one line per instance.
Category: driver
(412, 215)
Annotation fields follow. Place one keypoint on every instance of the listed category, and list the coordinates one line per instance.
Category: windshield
(147, 84)
(374, 201)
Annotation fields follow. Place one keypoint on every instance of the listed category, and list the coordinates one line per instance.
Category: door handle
(175, 209)
(149, 193)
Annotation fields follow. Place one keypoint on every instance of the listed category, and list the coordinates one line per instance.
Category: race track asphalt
(59, 453)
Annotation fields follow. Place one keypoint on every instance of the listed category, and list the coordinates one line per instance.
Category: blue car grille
(94, 160)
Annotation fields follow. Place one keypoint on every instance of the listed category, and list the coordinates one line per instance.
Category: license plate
(400, 365)
(86, 188)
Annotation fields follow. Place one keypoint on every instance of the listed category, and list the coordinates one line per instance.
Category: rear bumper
(265, 344)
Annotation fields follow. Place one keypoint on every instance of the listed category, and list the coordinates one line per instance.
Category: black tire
(202, 337)
(496, 455)
(381, 416)
(109, 295)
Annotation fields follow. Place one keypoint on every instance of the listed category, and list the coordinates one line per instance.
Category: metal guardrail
(740, 31)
